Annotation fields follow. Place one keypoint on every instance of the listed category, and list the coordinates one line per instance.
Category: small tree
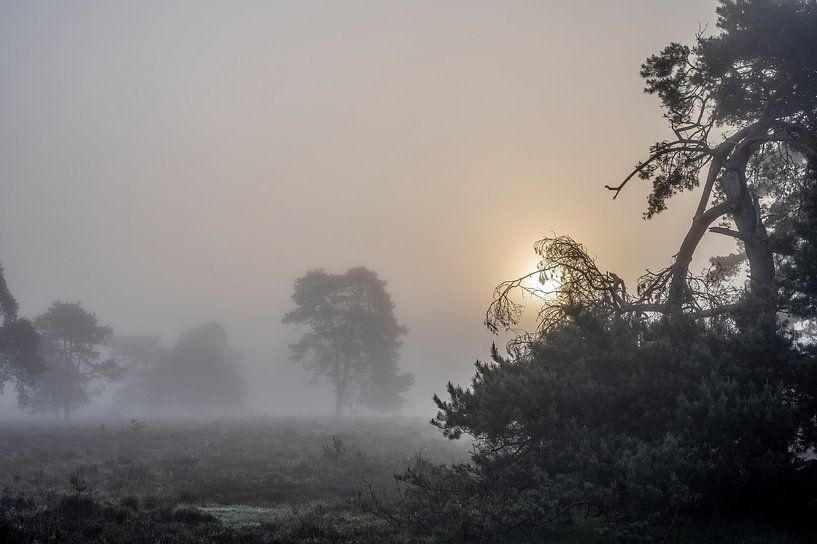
(354, 338)
(71, 337)
(19, 359)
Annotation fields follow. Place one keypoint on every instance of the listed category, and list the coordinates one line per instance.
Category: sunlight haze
(171, 163)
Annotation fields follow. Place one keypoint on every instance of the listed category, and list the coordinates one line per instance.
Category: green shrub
(630, 421)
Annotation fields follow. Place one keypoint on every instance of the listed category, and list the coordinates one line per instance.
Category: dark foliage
(742, 108)
(692, 398)
(762, 66)
(799, 270)
(20, 361)
(637, 421)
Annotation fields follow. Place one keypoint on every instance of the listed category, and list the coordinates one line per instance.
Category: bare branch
(727, 232)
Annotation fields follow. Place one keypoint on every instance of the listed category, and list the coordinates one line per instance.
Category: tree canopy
(19, 342)
(353, 339)
(199, 375)
(71, 338)
(741, 106)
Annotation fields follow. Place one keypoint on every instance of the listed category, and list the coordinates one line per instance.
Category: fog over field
(171, 163)
(408, 272)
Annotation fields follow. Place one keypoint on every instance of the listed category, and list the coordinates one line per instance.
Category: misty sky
(168, 163)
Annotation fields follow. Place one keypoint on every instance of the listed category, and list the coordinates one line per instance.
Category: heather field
(283, 480)
(314, 480)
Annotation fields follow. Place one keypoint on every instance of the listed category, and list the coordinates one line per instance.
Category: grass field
(271, 481)
(287, 480)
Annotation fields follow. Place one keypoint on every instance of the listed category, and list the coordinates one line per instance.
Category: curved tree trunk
(752, 231)
(745, 210)
(700, 224)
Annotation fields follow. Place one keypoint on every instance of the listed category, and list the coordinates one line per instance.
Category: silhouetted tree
(71, 337)
(199, 374)
(742, 108)
(354, 338)
(689, 395)
(19, 358)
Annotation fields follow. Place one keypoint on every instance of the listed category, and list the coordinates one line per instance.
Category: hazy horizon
(168, 164)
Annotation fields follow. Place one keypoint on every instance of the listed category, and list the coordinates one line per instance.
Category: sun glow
(544, 282)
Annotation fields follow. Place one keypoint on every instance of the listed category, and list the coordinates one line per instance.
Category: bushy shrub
(16, 502)
(630, 421)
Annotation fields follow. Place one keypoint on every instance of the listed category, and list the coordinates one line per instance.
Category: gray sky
(167, 163)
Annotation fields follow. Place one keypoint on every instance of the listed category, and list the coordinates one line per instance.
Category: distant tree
(137, 355)
(19, 358)
(353, 339)
(71, 337)
(199, 374)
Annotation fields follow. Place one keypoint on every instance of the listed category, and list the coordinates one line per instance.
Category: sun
(546, 284)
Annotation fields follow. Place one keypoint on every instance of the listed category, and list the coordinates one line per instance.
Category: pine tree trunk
(678, 284)
(755, 240)
(744, 208)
